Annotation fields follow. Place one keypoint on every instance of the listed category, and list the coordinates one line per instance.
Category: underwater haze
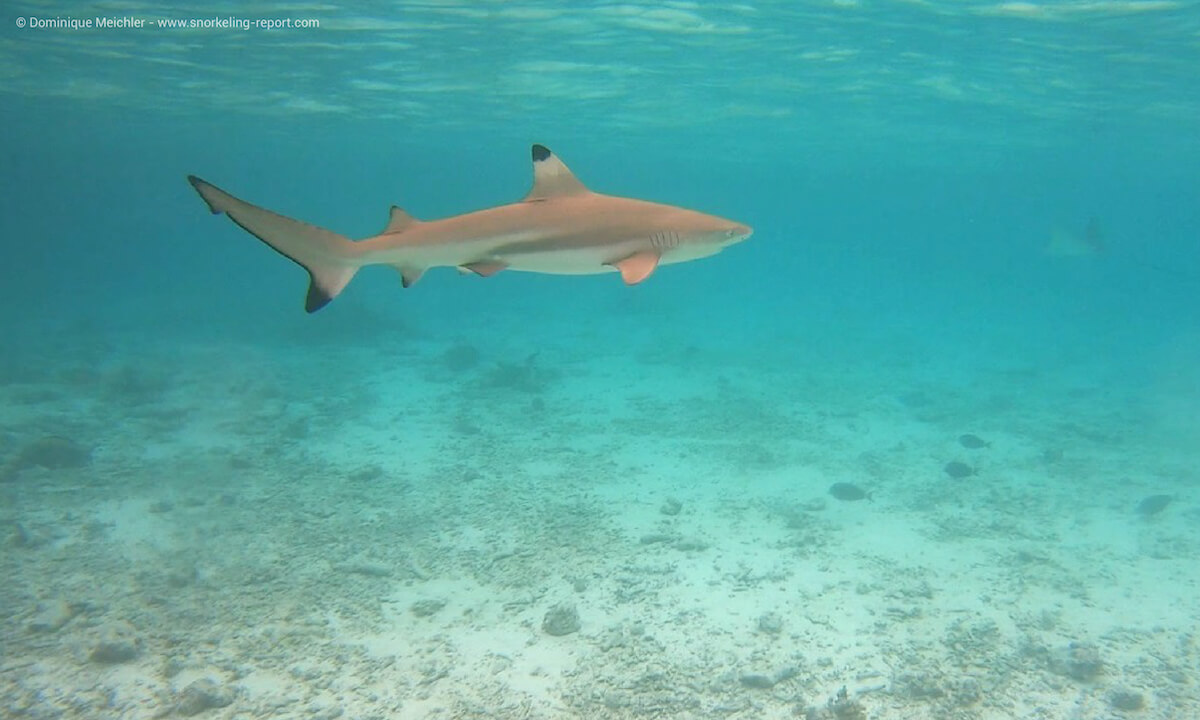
(926, 445)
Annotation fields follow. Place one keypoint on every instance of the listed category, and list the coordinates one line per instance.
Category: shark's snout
(738, 233)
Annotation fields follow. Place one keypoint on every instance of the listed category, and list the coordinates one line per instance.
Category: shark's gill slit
(665, 240)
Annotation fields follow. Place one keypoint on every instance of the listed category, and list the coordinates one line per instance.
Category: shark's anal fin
(637, 267)
(485, 268)
(552, 178)
(409, 275)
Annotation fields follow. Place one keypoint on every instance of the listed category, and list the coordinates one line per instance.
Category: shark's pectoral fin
(485, 268)
(637, 267)
(409, 275)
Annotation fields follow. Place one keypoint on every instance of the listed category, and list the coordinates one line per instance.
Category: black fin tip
(316, 298)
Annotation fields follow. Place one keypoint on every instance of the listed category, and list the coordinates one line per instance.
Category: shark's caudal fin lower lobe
(327, 256)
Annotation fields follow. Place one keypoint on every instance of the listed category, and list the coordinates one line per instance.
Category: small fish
(1066, 243)
(973, 442)
(848, 491)
(958, 470)
(1153, 505)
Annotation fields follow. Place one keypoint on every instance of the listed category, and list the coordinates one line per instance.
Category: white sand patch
(134, 526)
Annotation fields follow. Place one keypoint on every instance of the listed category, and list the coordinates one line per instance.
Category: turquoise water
(921, 178)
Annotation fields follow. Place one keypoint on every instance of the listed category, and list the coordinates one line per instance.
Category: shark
(1064, 243)
(560, 227)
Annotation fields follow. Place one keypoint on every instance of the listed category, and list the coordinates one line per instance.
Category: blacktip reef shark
(560, 227)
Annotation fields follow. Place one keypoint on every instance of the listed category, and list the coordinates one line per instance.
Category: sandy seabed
(431, 528)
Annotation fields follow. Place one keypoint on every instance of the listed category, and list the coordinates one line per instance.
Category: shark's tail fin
(328, 257)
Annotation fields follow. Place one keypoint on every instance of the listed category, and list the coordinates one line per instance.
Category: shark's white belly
(525, 251)
(588, 260)
(576, 261)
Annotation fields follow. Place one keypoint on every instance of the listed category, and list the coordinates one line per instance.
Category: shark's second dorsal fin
(551, 178)
(398, 221)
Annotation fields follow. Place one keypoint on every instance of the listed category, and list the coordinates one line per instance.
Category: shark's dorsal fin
(399, 221)
(551, 178)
